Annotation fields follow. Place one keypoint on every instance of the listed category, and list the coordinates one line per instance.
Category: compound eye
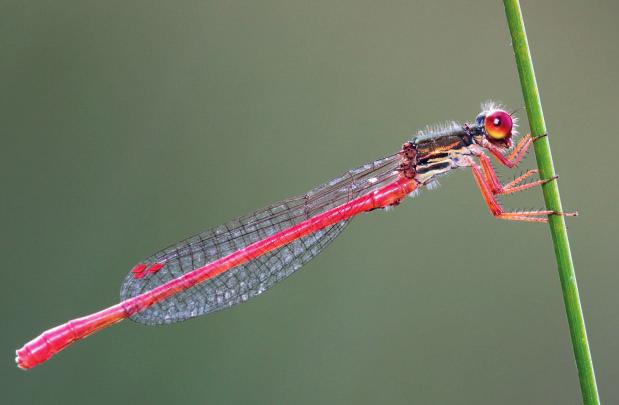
(498, 125)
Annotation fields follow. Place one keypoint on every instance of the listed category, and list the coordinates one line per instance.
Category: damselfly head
(496, 126)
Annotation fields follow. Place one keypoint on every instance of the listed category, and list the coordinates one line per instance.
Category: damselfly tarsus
(229, 264)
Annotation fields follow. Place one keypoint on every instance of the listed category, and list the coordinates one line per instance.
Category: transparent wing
(258, 275)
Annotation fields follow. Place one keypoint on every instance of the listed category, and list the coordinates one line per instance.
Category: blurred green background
(127, 126)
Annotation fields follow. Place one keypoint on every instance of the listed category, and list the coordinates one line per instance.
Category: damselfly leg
(511, 187)
(490, 186)
(513, 159)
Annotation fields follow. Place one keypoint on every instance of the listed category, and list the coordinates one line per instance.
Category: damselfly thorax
(437, 151)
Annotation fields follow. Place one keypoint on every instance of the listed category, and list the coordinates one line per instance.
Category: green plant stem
(558, 230)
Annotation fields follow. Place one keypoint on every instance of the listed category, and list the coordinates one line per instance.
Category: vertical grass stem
(552, 199)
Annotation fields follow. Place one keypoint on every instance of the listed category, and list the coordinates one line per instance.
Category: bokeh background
(128, 125)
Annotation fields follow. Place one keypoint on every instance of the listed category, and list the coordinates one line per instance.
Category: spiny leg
(530, 216)
(525, 218)
(520, 178)
(520, 145)
(515, 156)
(511, 187)
(497, 210)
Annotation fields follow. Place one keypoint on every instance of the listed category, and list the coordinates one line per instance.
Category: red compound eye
(498, 125)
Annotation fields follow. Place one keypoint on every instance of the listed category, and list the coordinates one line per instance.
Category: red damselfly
(231, 263)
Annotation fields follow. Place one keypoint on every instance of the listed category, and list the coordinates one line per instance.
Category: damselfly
(229, 264)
